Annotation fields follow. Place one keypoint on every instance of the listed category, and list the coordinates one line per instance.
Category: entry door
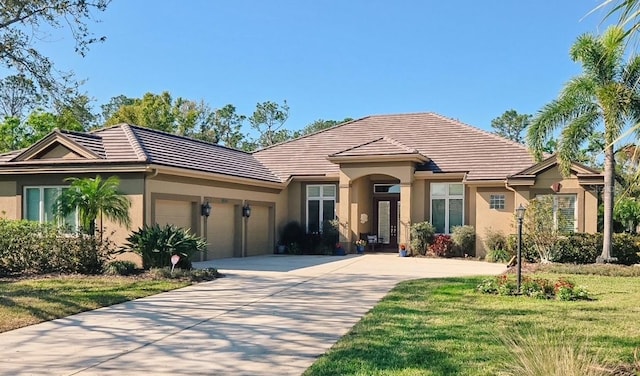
(388, 214)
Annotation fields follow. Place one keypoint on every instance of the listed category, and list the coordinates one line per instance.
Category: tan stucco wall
(497, 220)
(9, 200)
(200, 190)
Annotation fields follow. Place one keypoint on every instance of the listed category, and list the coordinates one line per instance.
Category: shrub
(442, 246)
(193, 275)
(626, 248)
(528, 251)
(28, 247)
(495, 240)
(157, 244)
(464, 239)
(421, 236)
(498, 255)
(120, 267)
(330, 234)
(538, 288)
(585, 248)
(292, 234)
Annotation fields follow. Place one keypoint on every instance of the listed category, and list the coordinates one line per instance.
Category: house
(376, 175)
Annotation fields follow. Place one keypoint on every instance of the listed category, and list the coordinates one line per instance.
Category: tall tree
(22, 25)
(605, 95)
(319, 125)
(268, 120)
(114, 104)
(511, 125)
(93, 198)
(226, 127)
(18, 95)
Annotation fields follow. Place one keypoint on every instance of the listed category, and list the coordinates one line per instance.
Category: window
(38, 206)
(321, 206)
(386, 188)
(496, 202)
(564, 212)
(447, 206)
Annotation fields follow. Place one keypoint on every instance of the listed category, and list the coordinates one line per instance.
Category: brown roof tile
(450, 145)
(380, 146)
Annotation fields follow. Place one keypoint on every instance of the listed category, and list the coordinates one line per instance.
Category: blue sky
(330, 59)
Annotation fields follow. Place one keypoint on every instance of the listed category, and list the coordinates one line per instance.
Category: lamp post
(520, 215)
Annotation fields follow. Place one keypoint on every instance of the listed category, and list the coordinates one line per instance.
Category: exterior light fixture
(205, 209)
(520, 216)
(246, 211)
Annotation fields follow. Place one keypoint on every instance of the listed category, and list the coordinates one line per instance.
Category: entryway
(387, 220)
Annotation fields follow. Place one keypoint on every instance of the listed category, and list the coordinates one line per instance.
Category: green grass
(443, 327)
(30, 301)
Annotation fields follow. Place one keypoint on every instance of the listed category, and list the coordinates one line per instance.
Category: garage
(178, 213)
(259, 231)
(223, 231)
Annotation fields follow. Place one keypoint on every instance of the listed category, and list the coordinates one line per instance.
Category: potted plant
(360, 244)
(403, 250)
(339, 251)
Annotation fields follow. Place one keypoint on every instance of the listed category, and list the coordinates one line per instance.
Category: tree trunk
(609, 168)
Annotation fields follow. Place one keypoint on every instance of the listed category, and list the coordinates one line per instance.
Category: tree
(511, 124)
(628, 12)
(227, 125)
(114, 104)
(604, 95)
(18, 96)
(318, 126)
(22, 25)
(93, 197)
(268, 119)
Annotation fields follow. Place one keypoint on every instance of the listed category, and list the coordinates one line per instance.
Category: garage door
(258, 232)
(178, 213)
(221, 231)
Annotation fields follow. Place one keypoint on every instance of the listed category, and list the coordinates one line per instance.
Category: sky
(331, 59)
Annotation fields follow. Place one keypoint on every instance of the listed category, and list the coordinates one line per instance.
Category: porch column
(344, 212)
(405, 214)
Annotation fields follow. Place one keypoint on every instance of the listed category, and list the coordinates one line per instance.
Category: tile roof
(380, 146)
(91, 142)
(450, 145)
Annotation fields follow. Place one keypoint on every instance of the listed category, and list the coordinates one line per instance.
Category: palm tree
(605, 96)
(628, 12)
(93, 198)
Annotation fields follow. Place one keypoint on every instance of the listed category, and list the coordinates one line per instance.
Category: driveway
(271, 315)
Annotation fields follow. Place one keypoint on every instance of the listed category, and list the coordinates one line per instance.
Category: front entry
(387, 220)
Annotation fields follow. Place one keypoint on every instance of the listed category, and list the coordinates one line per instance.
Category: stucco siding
(487, 219)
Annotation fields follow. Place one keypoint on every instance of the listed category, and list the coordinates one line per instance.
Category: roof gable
(79, 146)
(552, 161)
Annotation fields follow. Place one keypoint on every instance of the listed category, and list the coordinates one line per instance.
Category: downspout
(144, 194)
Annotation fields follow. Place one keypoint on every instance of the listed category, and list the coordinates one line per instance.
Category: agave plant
(156, 245)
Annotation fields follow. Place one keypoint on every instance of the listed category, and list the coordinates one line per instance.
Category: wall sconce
(246, 211)
(205, 209)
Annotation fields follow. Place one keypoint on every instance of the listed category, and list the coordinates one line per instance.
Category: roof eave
(408, 157)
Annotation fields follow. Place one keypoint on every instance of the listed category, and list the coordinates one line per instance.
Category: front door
(388, 220)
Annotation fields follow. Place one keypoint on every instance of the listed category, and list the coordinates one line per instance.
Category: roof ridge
(482, 131)
(359, 146)
(400, 144)
(310, 134)
(136, 144)
(76, 133)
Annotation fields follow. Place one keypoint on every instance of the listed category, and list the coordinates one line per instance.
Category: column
(405, 214)
(344, 212)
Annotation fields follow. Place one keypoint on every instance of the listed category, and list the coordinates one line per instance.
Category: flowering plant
(361, 242)
(403, 246)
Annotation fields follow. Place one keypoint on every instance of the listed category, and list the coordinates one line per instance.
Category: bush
(421, 236)
(442, 246)
(193, 275)
(585, 248)
(528, 251)
(157, 244)
(498, 255)
(495, 240)
(538, 288)
(626, 248)
(464, 239)
(28, 247)
(292, 234)
(330, 234)
(120, 267)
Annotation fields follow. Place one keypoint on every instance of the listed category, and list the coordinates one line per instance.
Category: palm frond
(573, 135)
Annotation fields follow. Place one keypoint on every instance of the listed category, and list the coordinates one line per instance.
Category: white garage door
(258, 232)
(178, 213)
(221, 231)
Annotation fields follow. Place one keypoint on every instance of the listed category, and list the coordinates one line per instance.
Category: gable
(544, 174)
(56, 145)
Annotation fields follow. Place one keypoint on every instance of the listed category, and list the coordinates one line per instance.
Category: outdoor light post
(520, 215)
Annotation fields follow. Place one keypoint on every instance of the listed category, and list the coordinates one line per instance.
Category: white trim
(446, 198)
(321, 198)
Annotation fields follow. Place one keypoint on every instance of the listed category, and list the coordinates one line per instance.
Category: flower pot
(339, 252)
(403, 253)
(281, 249)
(360, 249)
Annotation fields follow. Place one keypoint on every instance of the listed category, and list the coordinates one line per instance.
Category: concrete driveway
(271, 315)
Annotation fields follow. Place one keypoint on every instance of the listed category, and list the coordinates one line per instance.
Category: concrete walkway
(271, 315)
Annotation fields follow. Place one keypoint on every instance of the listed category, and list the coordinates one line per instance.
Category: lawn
(444, 327)
(30, 301)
